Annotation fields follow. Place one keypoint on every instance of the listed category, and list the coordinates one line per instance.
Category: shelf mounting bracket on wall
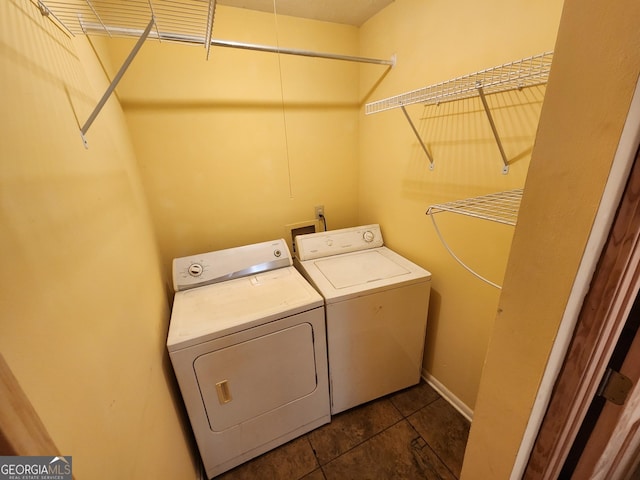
(114, 83)
(417, 134)
(505, 168)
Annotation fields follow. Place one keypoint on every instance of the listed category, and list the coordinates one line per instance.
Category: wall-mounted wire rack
(193, 18)
(132, 18)
(527, 72)
(516, 75)
(501, 207)
(182, 21)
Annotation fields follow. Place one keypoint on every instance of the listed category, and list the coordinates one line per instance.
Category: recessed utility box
(301, 228)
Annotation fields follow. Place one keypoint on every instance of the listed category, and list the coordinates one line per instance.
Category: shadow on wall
(217, 106)
(467, 159)
(435, 301)
(375, 86)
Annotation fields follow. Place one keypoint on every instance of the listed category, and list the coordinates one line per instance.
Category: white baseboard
(445, 393)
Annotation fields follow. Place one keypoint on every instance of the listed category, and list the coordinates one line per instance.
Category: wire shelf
(527, 72)
(182, 21)
(501, 207)
(192, 18)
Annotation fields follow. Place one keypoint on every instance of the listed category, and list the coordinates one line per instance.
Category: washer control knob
(195, 269)
(277, 253)
(368, 236)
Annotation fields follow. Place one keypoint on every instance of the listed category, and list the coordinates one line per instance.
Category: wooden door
(612, 450)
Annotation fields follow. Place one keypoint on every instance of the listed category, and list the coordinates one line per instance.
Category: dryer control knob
(195, 269)
(368, 236)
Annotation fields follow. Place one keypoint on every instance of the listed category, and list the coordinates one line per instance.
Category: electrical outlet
(319, 211)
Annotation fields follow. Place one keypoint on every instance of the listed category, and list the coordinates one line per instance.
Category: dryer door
(248, 379)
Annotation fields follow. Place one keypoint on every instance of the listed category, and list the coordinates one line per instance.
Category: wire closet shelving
(182, 18)
(516, 75)
(182, 21)
(501, 207)
(527, 72)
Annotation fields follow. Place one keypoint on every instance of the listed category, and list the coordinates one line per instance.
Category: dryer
(376, 309)
(247, 343)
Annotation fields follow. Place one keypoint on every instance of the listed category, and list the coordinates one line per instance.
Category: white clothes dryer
(247, 343)
(376, 307)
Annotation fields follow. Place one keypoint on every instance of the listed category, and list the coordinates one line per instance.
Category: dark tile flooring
(412, 434)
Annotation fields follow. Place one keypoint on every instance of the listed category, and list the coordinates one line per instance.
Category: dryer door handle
(224, 394)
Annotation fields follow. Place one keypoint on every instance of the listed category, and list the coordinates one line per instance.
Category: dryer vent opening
(303, 230)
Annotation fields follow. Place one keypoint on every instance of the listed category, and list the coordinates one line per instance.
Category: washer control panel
(195, 269)
(335, 242)
(219, 266)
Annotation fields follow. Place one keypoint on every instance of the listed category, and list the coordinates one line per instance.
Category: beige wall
(84, 312)
(588, 95)
(235, 148)
(437, 41)
(225, 162)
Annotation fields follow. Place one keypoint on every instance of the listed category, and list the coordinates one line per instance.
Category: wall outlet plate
(319, 212)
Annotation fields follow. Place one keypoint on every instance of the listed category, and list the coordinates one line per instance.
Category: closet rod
(194, 39)
(304, 53)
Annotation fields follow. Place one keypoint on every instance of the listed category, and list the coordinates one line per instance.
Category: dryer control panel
(222, 265)
(335, 242)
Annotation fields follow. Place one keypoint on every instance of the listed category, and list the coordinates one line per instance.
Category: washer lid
(355, 274)
(204, 313)
(344, 271)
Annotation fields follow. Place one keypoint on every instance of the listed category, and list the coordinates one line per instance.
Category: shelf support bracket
(114, 82)
(505, 168)
(415, 131)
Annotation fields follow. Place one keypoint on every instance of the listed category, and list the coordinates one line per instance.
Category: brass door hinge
(615, 387)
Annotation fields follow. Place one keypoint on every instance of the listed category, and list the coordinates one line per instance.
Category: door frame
(21, 430)
(585, 342)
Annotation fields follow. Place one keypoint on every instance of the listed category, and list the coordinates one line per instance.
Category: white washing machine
(376, 306)
(247, 342)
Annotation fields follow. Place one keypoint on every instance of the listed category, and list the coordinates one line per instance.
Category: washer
(247, 343)
(376, 307)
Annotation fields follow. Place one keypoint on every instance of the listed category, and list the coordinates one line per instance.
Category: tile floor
(412, 434)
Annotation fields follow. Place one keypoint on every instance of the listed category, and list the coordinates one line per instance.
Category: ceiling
(350, 12)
